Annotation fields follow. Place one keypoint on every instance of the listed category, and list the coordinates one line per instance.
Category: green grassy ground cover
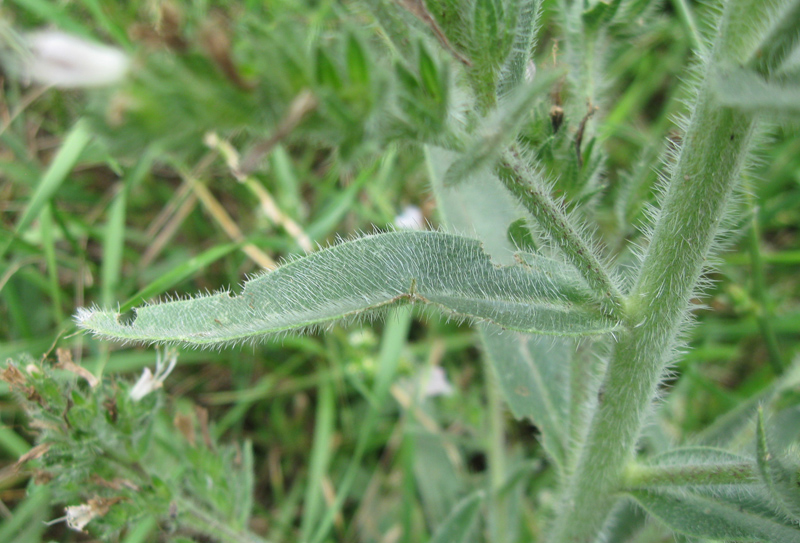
(343, 448)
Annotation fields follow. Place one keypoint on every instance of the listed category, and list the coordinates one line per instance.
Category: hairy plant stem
(516, 175)
(638, 476)
(700, 187)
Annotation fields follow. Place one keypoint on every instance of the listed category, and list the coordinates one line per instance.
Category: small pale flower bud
(78, 516)
(437, 384)
(149, 382)
(410, 219)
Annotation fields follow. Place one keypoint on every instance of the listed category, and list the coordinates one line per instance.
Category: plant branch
(701, 183)
(638, 476)
(534, 194)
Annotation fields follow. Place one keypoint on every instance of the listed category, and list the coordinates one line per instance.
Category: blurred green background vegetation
(146, 209)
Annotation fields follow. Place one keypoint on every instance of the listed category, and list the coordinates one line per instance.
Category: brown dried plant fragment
(65, 363)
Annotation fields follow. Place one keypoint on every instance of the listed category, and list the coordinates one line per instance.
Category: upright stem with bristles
(707, 171)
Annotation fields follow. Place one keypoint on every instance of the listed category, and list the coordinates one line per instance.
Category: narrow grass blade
(114, 235)
(320, 458)
(53, 14)
(74, 144)
(48, 243)
(69, 153)
(394, 338)
(11, 442)
(178, 274)
(26, 512)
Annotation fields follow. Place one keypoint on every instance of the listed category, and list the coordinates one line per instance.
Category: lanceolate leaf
(781, 480)
(737, 513)
(525, 15)
(534, 375)
(691, 467)
(746, 90)
(353, 278)
(499, 129)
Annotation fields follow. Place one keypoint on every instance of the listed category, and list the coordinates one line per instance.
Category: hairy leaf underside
(357, 278)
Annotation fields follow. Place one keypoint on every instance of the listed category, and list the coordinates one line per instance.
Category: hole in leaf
(127, 318)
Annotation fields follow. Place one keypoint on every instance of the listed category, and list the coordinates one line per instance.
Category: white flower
(410, 219)
(149, 382)
(78, 516)
(62, 60)
(436, 383)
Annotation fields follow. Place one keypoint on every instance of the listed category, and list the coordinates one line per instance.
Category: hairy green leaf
(499, 128)
(781, 480)
(479, 206)
(346, 281)
(600, 13)
(746, 90)
(737, 512)
(781, 40)
(696, 456)
(534, 375)
(691, 467)
(523, 17)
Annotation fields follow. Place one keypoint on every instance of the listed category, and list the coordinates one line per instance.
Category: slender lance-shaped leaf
(349, 280)
(746, 90)
(534, 374)
(526, 15)
(780, 479)
(525, 185)
(732, 515)
(498, 129)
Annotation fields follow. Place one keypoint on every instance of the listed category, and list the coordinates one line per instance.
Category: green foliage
(746, 90)
(456, 527)
(103, 448)
(249, 133)
(732, 513)
(538, 295)
(534, 375)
